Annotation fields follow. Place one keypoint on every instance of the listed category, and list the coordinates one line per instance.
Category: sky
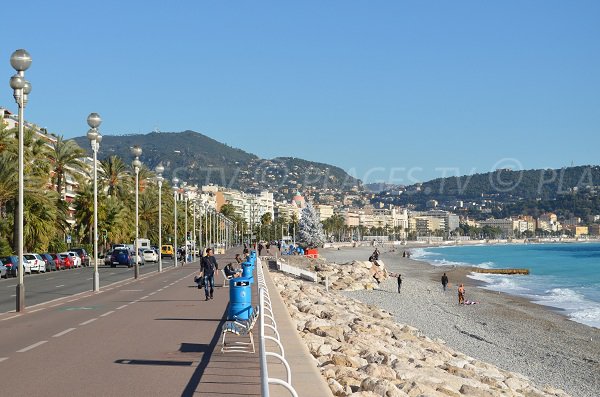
(392, 91)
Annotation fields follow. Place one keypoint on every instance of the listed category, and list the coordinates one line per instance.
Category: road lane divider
(88, 321)
(107, 313)
(66, 331)
(122, 306)
(32, 346)
(3, 359)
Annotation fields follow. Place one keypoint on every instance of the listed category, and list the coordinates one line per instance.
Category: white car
(74, 258)
(150, 256)
(36, 263)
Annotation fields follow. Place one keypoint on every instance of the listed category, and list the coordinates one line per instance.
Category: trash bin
(247, 270)
(240, 299)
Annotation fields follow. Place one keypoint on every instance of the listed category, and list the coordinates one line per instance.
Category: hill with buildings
(199, 159)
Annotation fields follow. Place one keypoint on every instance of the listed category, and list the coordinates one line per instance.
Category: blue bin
(247, 270)
(240, 299)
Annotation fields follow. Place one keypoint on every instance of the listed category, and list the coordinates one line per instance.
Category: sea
(563, 276)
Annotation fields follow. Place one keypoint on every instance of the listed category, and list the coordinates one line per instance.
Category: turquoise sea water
(564, 276)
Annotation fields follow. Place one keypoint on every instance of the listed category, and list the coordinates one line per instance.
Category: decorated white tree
(310, 227)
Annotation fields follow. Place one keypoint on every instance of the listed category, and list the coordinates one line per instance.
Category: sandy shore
(505, 330)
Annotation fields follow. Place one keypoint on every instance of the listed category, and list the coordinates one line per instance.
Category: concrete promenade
(153, 336)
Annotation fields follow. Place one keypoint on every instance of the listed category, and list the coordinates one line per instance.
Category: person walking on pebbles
(444, 282)
(461, 294)
(399, 282)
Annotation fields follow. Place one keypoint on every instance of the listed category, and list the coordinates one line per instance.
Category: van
(166, 250)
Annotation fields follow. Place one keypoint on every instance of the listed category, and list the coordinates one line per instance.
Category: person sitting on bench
(230, 272)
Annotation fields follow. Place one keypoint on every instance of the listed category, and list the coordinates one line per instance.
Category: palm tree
(84, 215)
(114, 174)
(65, 156)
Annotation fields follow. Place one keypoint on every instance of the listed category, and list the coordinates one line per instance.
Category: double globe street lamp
(159, 179)
(95, 138)
(175, 191)
(136, 152)
(20, 60)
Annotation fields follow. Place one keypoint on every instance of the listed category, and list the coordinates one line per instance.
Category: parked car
(50, 264)
(121, 257)
(83, 255)
(150, 255)
(67, 260)
(75, 258)
(3, 270)
(11, 263)
(139, 258)
(167, 250)
(60, 263)
(107, 259)
(36, 263)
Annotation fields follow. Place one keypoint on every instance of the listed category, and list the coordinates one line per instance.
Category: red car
(60, 263)
(67, 260)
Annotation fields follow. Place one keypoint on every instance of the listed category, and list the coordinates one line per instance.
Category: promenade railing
(266, 313)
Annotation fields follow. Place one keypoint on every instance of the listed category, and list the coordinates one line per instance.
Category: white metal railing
(266, 312)
(296, 271)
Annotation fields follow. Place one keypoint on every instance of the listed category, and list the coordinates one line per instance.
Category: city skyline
(396, 92)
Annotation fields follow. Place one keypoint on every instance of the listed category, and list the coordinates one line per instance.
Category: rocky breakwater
(361, 351)
(356, 275)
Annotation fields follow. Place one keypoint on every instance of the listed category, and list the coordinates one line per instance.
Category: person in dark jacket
(399, 282)
(208, 266)
(444, 282)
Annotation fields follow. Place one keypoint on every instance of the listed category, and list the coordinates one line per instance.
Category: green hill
(198, 159)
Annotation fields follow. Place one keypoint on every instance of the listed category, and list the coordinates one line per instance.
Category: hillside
(198, 159)
(504, 186)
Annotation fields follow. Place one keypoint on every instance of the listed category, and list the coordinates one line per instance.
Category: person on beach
(399, 282)
(461, 294)
(208, 265)
(444, 282)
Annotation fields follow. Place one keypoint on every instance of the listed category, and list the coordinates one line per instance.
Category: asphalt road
(45, 287)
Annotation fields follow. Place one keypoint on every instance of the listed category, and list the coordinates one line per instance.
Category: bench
(240, 328)
(225, 278)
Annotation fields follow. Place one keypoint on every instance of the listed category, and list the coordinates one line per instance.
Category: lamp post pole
(95, 138)
(175, 190)
(159, 179)
(194, 234)
(185, 199)
(136, 151)
(20, 60)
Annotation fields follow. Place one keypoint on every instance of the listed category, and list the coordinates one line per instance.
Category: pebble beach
(506, 331)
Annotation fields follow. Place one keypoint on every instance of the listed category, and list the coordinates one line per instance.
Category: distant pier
(501, 271)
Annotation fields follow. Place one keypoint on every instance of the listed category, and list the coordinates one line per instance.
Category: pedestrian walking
(399, 282)
(461, 294)
(208, 265)
(444, 282)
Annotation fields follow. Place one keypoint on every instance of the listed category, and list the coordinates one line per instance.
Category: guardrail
(266, 312)
(296, 271)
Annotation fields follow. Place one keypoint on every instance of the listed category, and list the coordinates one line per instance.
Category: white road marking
(12, 286)
(89, 278)
(88, 321)
(58, 304)
(132, 290)
(3, 359)
(66, 331)
(50, 278)
(151, 293)
(8, 318)
(36, 310)
(12, 296)
(58, 286)
(107, 313)
(32, 346)
(143, 297)
(121, 307)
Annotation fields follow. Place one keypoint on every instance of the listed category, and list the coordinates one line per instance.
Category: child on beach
(461, 294)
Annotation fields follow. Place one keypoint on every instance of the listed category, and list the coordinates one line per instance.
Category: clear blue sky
(399, 91)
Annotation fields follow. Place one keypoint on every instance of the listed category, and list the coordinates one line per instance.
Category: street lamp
(136, 152)
(20, 60)
(95, 138)
(186, 190)
(175, 190)
(159, 178)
